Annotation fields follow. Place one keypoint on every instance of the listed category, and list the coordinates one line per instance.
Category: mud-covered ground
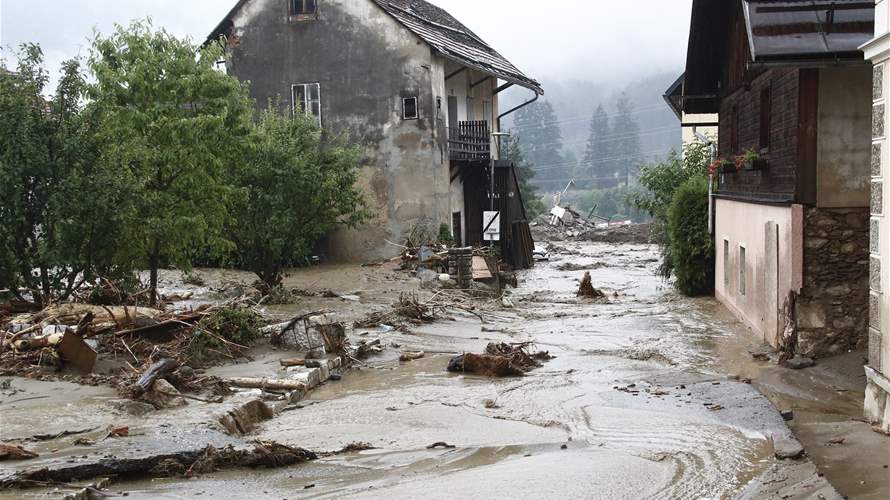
(650, 395)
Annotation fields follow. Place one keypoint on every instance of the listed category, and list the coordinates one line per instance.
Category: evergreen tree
(542, 145)
(534, 206)
(597, 163)
(626, 142)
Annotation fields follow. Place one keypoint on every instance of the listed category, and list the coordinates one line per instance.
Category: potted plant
(721, 166)
(749, 160)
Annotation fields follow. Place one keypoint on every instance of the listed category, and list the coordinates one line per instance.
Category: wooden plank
(480, 268)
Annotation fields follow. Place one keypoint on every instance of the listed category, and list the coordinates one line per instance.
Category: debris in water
(587, 290)
(15, 452)
(441, 445)
(499, 360)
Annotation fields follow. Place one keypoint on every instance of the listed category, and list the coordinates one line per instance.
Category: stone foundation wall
(831, 308)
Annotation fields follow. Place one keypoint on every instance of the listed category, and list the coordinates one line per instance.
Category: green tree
(59, 216)
(661, 181)
(691, 242)
(171, 123)
(541, 145)
(596, 169)
(626, 149)
(613, 204)
(534, 206)
(295, 185)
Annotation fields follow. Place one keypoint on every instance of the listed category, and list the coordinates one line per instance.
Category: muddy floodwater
(647, 397)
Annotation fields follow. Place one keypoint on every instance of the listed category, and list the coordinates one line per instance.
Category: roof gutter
(806, 63)
(517, 108)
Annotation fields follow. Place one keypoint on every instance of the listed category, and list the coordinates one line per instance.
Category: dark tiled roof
(455, 41)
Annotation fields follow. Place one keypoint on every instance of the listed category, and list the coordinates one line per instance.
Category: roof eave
(530, 84)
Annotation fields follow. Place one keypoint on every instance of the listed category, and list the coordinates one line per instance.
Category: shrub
(692, 248)
(237, 325)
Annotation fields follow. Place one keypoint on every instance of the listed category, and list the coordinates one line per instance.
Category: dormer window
(301, 10)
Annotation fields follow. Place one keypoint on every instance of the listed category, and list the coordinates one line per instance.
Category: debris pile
(500, 360)
(76, 335)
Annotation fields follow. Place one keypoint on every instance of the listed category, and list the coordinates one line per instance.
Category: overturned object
(587, 290)
(499, 360)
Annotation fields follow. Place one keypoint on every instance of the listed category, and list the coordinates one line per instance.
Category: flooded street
(636, 404)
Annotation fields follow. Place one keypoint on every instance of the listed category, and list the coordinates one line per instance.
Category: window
(743, 288)
(766, 112)
(409, 108)
(726, 264)
(303, 7)
(734, 131)
(307, 99)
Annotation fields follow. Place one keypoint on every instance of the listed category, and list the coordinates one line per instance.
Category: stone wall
(835, 295)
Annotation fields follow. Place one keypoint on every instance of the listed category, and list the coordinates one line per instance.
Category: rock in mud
(799, 363)
(788, 449)
(163, 395)
(245, 418)
(135, 408)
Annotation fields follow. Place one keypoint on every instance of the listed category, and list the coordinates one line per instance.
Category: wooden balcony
(469, 141)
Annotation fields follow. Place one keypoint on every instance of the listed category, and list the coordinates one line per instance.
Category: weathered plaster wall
(835, 291)
(769, 279)
(365, 62)
(844, 132)
(460, 86)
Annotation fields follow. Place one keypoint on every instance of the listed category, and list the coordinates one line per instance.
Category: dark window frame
(302, 10)
(766, 118)
(734, 130)
(405, 107)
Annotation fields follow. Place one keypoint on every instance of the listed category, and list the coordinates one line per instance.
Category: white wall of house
(479, 102)
(877, 393)
(694, 125)
(771, 267)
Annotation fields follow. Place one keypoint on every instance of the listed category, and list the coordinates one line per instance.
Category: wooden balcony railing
(469, 141)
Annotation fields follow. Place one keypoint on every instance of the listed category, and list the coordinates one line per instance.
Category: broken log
(154, 372)
(266, 383)
(15, 452)
(293, 362)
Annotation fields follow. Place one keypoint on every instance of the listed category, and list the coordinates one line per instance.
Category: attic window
(303, 9)
(409, 108)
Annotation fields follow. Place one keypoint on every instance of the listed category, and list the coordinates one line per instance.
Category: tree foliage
(661, 181)
(58, 218)
(691, 242)
(597, 170)
(170, 124)
(294, 186)
(538, 125)
(613, 203)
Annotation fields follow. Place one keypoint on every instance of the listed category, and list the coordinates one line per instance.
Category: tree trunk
(153, 263)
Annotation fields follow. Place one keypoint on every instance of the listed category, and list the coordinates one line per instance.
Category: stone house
(877, 393)
(791, 224)
(417, 89)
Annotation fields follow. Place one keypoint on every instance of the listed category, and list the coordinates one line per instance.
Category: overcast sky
(586, 39)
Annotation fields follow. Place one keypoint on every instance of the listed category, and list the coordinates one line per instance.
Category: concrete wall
(769, 278)
(366, 62)
(844, 131)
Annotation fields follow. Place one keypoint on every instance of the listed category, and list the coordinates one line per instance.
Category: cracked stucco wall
(365, 62)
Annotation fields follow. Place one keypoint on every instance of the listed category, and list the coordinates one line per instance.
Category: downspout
(498, 124)
(711, 212)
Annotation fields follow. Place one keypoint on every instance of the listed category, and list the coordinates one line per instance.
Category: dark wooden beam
(452, 75)
(503, 87)
(480, 82)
